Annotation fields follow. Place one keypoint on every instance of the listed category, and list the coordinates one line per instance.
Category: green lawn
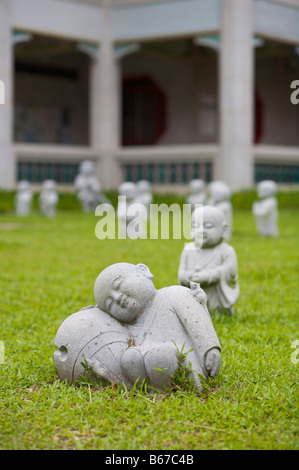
(48, 269)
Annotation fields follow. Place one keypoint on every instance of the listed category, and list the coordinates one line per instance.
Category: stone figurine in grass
(197, 192)
(209, 261)
(23, 199)
(129, 205)
(48, 198)
(144, 194)
(88, 187)
(220, 196)
(135, 331)
(265, 211)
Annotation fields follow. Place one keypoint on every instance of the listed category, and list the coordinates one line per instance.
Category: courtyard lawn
(48, 269)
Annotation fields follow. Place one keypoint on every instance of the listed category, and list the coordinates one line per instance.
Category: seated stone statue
(23, 198)
(220, 196)
(130, 206)
(48, 198)
(197, 193)
(88, 187)
(265, 210)
(135, 331)
(144, 195)
(210, 261)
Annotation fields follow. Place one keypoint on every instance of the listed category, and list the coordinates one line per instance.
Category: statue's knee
(133, 365)
(160, 363)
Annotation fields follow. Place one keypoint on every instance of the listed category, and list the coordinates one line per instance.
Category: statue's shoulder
(180, 295)
(189, 247)
(227, 249)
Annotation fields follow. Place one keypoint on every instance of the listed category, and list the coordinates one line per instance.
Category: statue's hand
(99, 371)
(198, 277)
(213, 362)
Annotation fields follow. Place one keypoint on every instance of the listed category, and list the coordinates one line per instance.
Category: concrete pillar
(7, 160)
(234, 164)
(105, 105)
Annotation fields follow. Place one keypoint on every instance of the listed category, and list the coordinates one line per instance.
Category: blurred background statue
(265, 210)
(144, 194)
(88, 187)
(48, 198)
(23, 198)
(197, 192)
(220, 196)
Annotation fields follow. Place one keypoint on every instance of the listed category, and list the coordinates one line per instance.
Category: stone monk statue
(210, 261)
(135, 331)
(265, 210)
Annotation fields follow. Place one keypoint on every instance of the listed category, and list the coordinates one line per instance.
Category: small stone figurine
(265, 210)
(135, 331)
(197, 193)
(88, 187)
(220, 196)
(23, 198)
(209, 261)
(144, 195)
(127, 190)
(48, 198)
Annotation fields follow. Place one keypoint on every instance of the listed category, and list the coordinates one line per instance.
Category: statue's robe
(178, 319)
(220, 266)
(175, 318)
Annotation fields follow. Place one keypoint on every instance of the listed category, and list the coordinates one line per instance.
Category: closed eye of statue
(117, 282)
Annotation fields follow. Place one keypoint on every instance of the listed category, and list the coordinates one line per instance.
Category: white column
(234, 164)
(105, 127)
(7, 160)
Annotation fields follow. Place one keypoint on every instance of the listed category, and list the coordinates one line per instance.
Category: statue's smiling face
(123, 291)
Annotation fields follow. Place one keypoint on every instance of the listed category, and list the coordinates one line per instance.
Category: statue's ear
(143, 269)
(224, 226)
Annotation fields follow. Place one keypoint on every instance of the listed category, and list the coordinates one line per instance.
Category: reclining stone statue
(135, 331)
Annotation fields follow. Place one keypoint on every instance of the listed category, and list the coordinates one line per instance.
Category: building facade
(164, 90)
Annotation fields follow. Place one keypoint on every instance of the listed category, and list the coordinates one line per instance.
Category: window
(144, 112)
